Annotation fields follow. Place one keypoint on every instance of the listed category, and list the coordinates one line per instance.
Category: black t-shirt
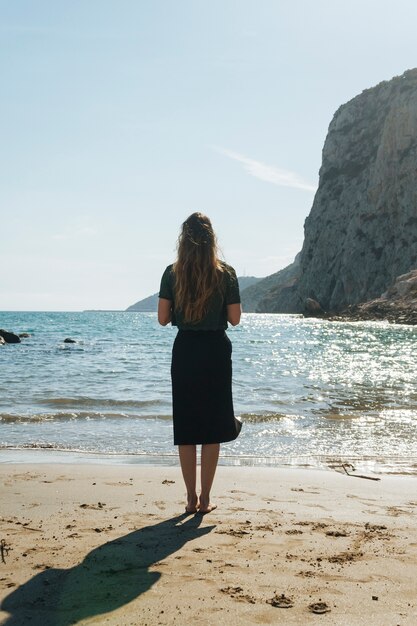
(216, 317)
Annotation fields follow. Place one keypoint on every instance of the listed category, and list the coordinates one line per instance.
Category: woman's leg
(188, 460)
(209, 458)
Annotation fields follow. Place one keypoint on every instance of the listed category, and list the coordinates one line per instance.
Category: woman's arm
(234, 311)
(164, 311)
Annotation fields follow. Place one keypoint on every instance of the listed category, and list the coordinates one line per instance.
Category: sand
(109, 544)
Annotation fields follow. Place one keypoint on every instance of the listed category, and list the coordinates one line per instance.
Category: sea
(310, 392)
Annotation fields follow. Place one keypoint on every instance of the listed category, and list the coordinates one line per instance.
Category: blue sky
(119, 119)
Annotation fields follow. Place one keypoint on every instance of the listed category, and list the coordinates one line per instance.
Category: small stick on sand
(4, 550)
(359, 475)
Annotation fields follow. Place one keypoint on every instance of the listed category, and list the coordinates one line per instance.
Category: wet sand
(108, 544)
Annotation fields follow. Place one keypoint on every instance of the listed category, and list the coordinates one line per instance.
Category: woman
(200, 294)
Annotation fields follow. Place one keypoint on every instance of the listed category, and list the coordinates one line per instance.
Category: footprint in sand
(237, 593)
(281, 602)
(307, 573)
(233, 532)
(336, 533)
(345, 557)
(374, 527)
(319, 607)
(96, 507)
(7, 582)
(395, 511)
(266, 527)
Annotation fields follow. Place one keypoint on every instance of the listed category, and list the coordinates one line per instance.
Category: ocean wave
(267, 416)
(56, 447)
(74, 415)
(88, 401)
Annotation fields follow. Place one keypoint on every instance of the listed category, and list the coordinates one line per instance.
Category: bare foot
(206, 509)
(192, 504)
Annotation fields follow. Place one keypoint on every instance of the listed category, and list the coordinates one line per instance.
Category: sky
(120, 119)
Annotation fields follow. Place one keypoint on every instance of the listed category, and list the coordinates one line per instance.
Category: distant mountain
(247, 281)
(147, 305)
(150, 304)
(256, 297)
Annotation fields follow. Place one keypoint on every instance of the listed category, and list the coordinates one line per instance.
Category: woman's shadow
(110, 576)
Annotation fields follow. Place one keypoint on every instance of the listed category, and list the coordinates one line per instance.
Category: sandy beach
(109, 544)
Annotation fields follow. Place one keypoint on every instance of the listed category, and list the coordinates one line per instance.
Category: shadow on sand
(109, 577)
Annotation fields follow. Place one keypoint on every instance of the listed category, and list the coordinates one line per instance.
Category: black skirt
(201, 373)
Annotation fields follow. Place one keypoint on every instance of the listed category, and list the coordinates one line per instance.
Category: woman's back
(216, 314)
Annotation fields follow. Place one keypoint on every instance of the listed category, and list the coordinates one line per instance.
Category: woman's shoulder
(168, 274)
(226, 268)
(169, 269)
(228, 273)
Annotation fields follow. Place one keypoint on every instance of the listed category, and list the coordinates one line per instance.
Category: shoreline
(391, 466)
(92, 544)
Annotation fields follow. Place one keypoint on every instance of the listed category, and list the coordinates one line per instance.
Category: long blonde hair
(197, 270)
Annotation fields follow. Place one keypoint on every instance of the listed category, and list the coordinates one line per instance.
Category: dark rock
(24, 335)
(9, 337)
(312, 308)
(69, 340)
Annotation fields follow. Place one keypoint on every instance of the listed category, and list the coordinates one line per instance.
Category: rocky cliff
(398, 304)
(262, 295)
(362, 229)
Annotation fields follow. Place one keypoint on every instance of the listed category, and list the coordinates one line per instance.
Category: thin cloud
(77, 228)
(268, 173)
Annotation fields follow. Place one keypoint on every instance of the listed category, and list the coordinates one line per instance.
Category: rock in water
(69, 340)
(362, 229)
(9, 337)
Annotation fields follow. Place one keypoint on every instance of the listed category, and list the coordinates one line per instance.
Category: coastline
(377, 466)
(106, 543)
